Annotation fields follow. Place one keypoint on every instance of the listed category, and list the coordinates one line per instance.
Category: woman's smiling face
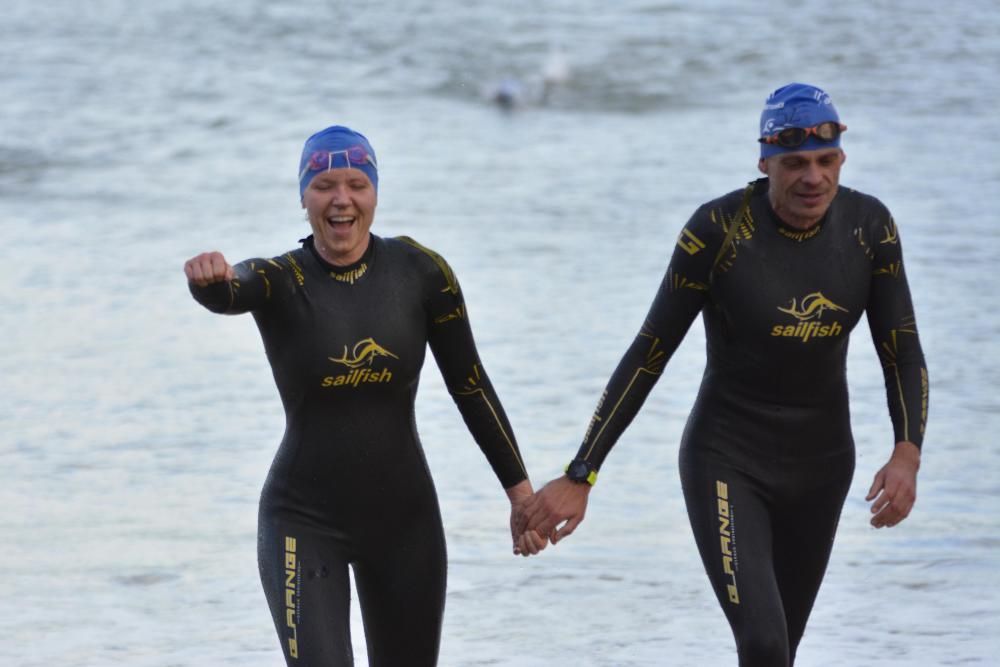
(340, 204)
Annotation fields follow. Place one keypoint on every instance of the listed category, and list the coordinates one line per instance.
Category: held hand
(529, 544)
(561, 500)
(208, 268)
(894, 489)
(526, 543)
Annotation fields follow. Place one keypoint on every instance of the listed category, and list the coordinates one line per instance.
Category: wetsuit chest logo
(359, 364)
(808, 315)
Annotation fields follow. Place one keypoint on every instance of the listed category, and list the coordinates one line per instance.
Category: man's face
(803, 184)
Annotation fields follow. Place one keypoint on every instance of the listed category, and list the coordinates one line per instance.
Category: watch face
(578, 471)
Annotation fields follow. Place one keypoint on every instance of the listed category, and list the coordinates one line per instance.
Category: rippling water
(137, 428)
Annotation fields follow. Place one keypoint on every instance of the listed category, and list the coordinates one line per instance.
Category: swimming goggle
(793, 137)
(342, 159)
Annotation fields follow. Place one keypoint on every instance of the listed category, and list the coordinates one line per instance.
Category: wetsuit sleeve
(254, 287)
(894, 332)
(454, 349)
(681, 296)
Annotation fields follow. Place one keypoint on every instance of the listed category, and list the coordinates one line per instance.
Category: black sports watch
(582, 472)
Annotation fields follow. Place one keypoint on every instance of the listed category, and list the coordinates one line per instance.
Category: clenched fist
(208, 268)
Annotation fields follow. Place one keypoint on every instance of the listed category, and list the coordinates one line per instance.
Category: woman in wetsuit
(781, 272)
(345, 321)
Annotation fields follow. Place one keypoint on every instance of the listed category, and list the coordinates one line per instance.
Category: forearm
(455, 351)
(217, 297)
(624, 395)
(894, 332)
(670, 316)
(907, 395)
(486, 420)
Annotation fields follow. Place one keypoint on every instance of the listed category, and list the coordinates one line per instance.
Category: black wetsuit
(349, 483)
(767, 456)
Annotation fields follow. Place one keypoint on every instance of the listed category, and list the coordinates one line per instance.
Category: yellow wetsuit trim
(449, 275)
(611, 415)
(496, 419)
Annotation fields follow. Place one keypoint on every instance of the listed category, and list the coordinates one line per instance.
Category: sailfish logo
(813, 306)
(363, 352)
(359, 360)
(809, 313)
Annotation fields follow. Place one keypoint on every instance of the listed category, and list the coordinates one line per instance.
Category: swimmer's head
(508, 93)
(336, 147)
(798, 106)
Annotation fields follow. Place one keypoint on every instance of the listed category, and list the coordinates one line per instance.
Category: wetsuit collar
(344, 274)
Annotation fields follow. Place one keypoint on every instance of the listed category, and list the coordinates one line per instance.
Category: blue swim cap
(336, 147)
(796, 105)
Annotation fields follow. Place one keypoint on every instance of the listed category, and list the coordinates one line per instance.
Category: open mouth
(340, 221)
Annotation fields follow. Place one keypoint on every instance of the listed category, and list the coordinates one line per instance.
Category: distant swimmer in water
(346, 321)
(781, 271)
(508, 94)
(511, 93)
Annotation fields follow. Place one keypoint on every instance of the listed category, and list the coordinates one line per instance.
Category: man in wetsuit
(781, 272)
(345, 321)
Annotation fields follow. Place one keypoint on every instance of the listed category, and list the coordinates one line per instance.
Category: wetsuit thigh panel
(308, 588)
(401, 587)
(803, 535)
(731, 518)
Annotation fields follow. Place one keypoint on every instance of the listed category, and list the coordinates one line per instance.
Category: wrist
(907, 450)
(519, 492)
